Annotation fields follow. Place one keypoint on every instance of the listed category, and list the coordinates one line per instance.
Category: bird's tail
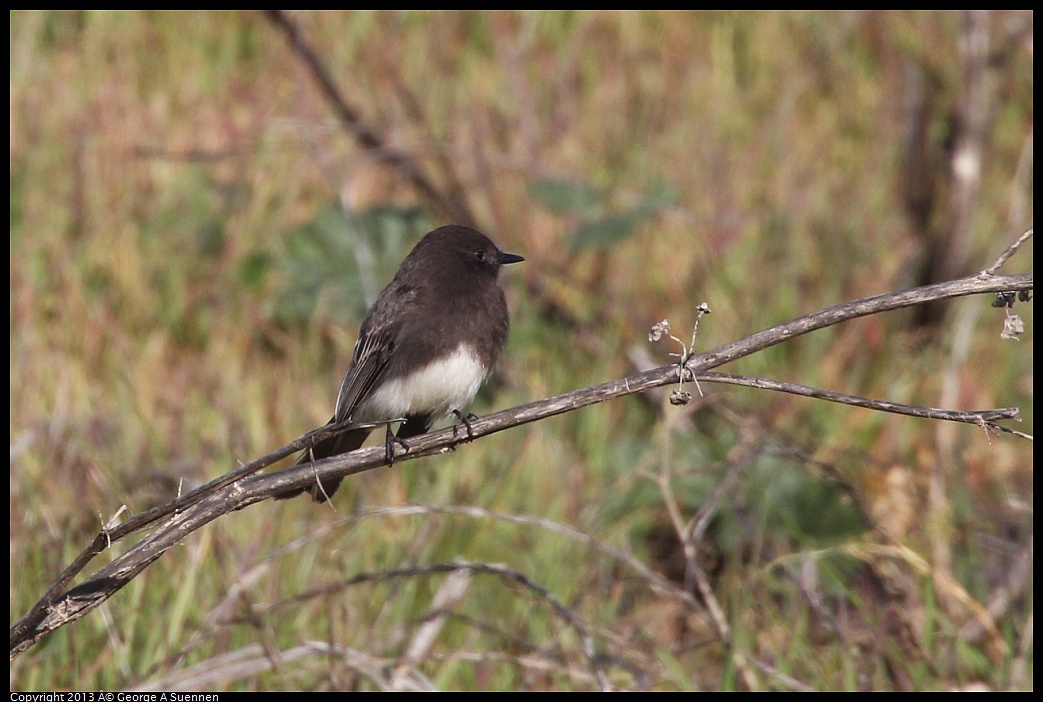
(322, 490)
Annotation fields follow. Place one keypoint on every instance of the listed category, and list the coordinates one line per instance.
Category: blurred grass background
(195, 238)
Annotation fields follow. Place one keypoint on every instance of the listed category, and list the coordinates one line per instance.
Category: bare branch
(455, 209)
(238, 489)
(108, 535)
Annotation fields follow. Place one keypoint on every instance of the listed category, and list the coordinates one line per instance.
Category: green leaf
(567, 196)
(253, 270)
(611, 229)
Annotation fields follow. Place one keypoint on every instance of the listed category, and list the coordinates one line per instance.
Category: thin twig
(589, 650)
(987, 417)
(1008, 252)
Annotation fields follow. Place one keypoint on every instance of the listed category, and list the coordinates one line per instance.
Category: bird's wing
(374, 349)
(370, 360)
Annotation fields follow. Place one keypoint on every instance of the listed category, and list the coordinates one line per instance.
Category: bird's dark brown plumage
(443, 306)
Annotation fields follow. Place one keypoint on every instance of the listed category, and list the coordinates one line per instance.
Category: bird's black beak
(506, 258)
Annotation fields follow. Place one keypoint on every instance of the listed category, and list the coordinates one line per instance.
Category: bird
(426, 345)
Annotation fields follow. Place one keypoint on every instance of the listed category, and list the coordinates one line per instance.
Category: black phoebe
(427, 343)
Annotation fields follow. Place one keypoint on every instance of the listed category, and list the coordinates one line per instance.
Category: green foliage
(321, 267)
(602, 226)
(810, 510)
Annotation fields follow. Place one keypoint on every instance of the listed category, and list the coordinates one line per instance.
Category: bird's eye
(479, 254)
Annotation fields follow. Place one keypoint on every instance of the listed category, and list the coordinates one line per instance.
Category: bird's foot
(466, 420)
(389, 446)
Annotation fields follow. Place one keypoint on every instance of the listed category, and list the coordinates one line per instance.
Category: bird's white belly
(443, 386)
